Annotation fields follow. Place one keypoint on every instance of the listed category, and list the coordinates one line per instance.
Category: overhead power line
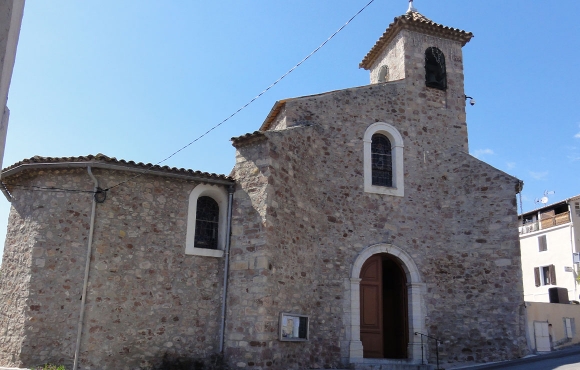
(39, 188)
(46, 188)
(251, 101)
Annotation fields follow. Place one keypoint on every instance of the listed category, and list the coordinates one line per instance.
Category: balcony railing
(559, 219)
(529, 228)
(545, 223)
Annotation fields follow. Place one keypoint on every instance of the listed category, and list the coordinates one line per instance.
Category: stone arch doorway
(403, 265)
(383, 308)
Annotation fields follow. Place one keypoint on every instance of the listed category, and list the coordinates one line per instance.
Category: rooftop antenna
(545, 199)
(411, 7)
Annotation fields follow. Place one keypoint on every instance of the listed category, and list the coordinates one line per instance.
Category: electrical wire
(249, 102)
(47, 188)
(40, 188)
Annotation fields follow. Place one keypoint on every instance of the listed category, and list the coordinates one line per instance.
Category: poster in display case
(293, 327)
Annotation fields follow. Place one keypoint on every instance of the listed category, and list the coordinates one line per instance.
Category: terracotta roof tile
(417, 22)
(103, 159)
(248, 138)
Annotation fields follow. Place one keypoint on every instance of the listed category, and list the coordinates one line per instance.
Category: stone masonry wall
(250, 293)
(14, 288)
(457, 221)
(392, 57)
(145, 296)
(45, 248)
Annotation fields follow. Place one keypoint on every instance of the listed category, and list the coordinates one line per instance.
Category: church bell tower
(427, 57)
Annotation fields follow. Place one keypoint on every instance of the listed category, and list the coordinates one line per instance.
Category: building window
(542, 243)
(545, 275)
(383, 160)
(206, 221)
(435, 72)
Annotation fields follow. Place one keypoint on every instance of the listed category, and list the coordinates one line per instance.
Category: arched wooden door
(383, 305)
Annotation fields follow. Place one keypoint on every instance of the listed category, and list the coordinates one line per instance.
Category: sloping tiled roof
(101, 160)
(415, 21)
(278, 106)
(248, 138)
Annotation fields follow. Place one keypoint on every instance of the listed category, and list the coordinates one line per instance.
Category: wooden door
(371, 306)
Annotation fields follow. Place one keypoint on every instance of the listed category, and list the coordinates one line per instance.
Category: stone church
(353, 229)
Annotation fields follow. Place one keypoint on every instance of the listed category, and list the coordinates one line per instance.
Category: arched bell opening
(435, 71)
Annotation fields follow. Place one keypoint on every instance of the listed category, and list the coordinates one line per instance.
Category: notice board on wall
(293, 327)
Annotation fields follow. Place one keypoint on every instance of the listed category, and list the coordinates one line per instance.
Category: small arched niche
(383, 74)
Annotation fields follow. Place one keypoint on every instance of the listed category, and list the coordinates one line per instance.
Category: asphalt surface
(565, 359)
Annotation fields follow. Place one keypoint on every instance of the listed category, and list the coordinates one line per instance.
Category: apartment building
(549, 239)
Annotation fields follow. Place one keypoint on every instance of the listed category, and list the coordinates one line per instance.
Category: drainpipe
(227, 265)
(87, 265)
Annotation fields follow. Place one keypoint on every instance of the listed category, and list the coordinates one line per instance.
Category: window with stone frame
(207, 223)
(435, 71)
(382, 161)
(545, 275)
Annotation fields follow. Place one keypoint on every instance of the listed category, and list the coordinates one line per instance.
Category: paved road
(563, 359)
(571, 362)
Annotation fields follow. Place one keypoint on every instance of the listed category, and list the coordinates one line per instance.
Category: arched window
(382, 161)
(206, 223)
(435, 72)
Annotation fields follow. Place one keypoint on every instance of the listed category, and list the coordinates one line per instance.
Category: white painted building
(11, 12)
(549, 237)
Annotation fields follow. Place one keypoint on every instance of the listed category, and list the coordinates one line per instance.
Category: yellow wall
(553, 313)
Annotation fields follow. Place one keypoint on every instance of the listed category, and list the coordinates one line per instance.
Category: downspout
(231, 190)
(87, 266)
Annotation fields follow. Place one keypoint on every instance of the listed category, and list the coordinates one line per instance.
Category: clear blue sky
(137, 79)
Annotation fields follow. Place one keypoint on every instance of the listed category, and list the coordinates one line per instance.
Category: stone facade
(301, 210)
(145, 297)
(457, 221)
(303, 224)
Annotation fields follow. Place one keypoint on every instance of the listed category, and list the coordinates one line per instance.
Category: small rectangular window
(543, 243)
(545, 275)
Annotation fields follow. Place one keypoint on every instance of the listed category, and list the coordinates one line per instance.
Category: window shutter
(537, 275)
(552, 275)
(543, 243)
(573, 326)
